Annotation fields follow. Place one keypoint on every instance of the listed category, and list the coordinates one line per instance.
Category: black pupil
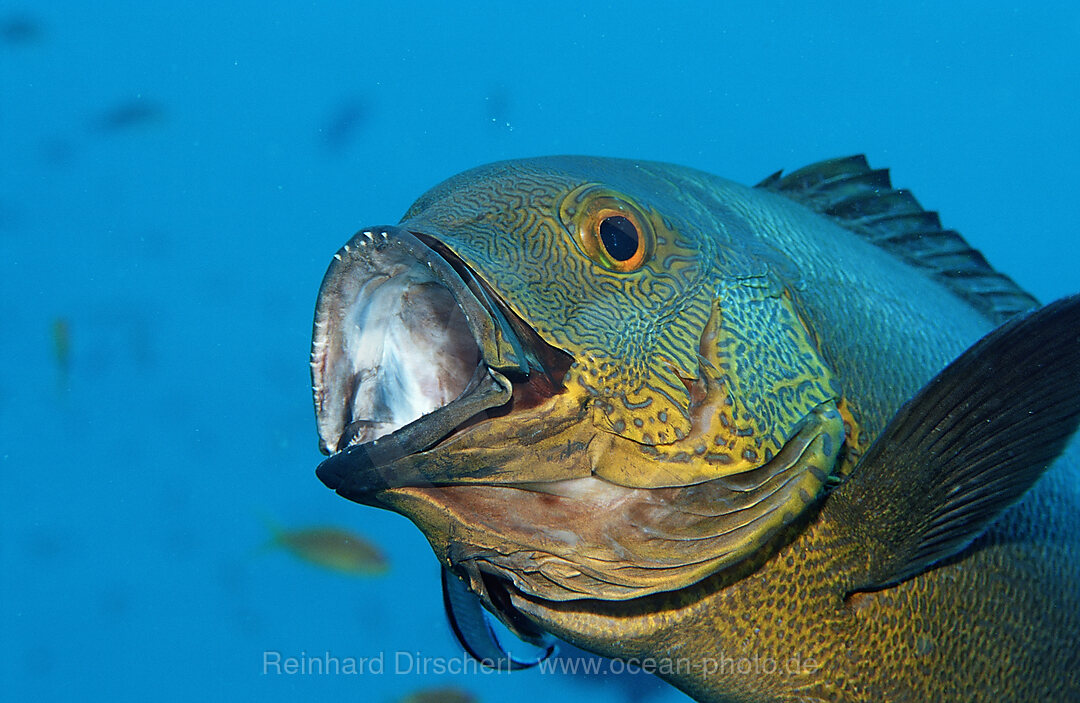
(619, 237)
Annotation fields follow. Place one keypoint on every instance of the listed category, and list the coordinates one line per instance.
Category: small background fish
(128, 115)
(331, 548)
(18, 29)
(440, 694)
(61, 346)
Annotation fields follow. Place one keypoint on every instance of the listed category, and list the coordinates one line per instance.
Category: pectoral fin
(474, 631)
(964, 448)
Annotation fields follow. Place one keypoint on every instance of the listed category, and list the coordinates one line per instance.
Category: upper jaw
(407, 346)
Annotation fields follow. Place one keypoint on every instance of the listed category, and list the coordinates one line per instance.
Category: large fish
(677, 420)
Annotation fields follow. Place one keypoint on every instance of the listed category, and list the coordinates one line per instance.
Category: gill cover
(723, 388)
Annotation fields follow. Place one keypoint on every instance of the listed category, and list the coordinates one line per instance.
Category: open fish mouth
(409, 347)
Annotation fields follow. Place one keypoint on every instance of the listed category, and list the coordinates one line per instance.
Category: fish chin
(587, 537)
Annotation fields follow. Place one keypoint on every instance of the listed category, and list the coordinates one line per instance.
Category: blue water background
(174, 180)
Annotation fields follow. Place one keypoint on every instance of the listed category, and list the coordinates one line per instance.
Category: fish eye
(619, 237)
(609, 228)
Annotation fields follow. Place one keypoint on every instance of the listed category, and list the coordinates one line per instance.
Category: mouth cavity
(409, 347)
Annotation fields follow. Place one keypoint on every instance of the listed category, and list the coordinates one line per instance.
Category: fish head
(581, 378)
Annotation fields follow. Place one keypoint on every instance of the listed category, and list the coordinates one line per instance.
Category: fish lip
(365, 469)
(365, 258)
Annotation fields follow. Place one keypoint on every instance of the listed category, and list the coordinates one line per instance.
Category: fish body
(130, 115)
(441, 694)
(332, 548)
(666, 416)
(61, 343)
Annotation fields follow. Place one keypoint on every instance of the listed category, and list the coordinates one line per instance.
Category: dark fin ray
(966, 447)
(473, 631)
(863, 200)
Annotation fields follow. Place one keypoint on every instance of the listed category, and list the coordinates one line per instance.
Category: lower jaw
(509, 443)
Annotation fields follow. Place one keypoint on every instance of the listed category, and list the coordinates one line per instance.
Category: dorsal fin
(863, 200)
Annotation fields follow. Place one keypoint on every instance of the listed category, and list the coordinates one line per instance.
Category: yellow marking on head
(855, 439)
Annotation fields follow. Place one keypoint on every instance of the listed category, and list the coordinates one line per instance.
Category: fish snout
(409, 346)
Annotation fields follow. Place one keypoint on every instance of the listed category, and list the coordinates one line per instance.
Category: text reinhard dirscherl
(414, 663)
